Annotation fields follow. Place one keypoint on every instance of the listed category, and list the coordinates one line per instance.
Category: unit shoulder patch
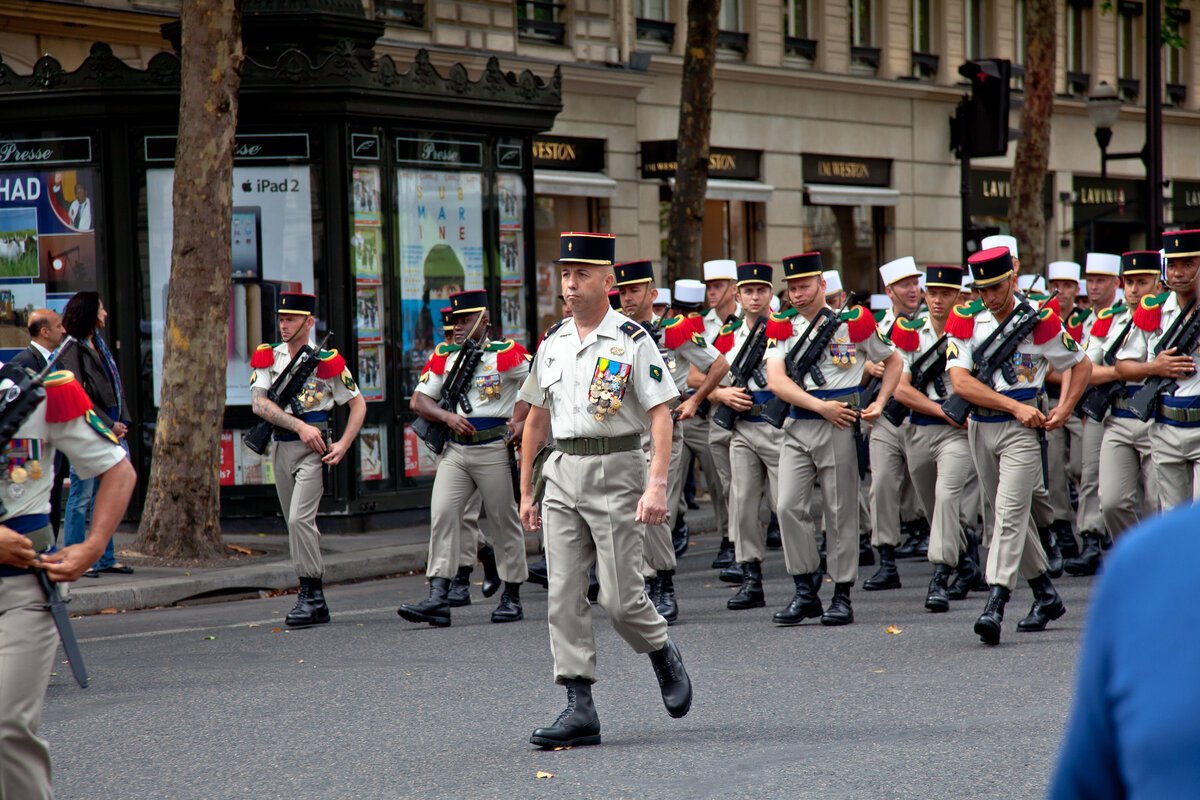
(97, 424)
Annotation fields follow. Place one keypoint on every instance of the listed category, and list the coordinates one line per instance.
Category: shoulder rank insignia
(437, 361)
(1148, 314)
(508, 354)
(724, 340)
(633, 330)
(656, 372)
(779, 326)
(906, 333)
(330, 364)
(676, 331)
(1048, 326)
(263, 357)
(698, 340)
(97, 424)
(859, 323)
(65, 397)
(961, 322)
(549, 332)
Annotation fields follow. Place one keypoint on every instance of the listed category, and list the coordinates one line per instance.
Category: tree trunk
(1026, 211)
(686, 219)
(181, 518)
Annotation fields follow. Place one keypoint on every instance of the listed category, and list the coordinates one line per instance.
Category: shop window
(798, 41)
(1079, 24)
(731, 229)
(849, 239)
(1174, 75)
(1018, 40)
(541, 21)
(554, 214)
(864, 55)
(975, 27)
(1129, 16)
(924, 61)
(654, 25)
(401, 12)
(732, 42)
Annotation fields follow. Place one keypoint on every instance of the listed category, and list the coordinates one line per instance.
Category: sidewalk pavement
(348, 557)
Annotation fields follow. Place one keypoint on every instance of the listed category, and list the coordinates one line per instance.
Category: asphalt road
(215, 701)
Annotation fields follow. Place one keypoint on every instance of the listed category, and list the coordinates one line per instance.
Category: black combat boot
(805, 605)
(1053, 554)
(665, 603)
(774, 540)
(866, 554)
(967, 577)
(509, 609)
(937, 600)
(435, 610)
(988, 624)
(839, 611)
(1047, 605)
(491, 576)
(310, 608)
(538, 574)
(578, 725)
(652, 590)
(724, 554)
(750, 595)
(681, 535)
(886, 577)
(917, 543)
(1088, 560)
(732, 573)
(460, 588)
(673, 679)
(1065, 534)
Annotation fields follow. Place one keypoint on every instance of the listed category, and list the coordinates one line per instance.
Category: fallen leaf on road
(276, 630)
(239, 549)
(209, 638)
(892, 629)
(109, 610)
(878, 671)
(545, 774)
(301, 661)
(563, 748)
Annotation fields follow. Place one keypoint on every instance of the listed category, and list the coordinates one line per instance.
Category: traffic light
(986, 112)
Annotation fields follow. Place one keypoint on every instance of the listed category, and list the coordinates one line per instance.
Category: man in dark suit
(46, 333)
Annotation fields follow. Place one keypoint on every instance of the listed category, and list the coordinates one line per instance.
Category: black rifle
(802, 361)
(19, 401)
(995, 354)
(454, 394)
(1183, 335)
(747, 366)
(1097, 400)
(930, 367)
(285, 393)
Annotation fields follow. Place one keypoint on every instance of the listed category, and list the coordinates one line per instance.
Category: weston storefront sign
(568, 153)
(847, 170)
(659, 160)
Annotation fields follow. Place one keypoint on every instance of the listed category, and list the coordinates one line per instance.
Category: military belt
(1178, 416)
(318, 419)
(598, 446)
(981, 414)
(481, 437)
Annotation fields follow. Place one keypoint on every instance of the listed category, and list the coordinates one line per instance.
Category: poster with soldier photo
(370, 372)
(369, 312)
(365, 195)
(366, 253)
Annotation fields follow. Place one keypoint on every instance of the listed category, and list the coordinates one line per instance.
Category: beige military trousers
(939, 458)
(463, 470)
(719, 440)
(1127, 480)
(754, 458)
(1008, 461)
(1088, 516)
(889, 474)
(471, 539)
(28, 643)
(588, 516)
(814, 450)
(659, 552)
(300, 482)
(1176, 455)
(696, 443)
(1064, 456)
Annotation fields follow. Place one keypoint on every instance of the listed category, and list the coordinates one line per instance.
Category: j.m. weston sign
(659, 160)
(31, 152)
(847, 170)
(568, 152)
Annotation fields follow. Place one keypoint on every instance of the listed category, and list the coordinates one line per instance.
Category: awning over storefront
(726, 189)
(577, 184)
(827, 194)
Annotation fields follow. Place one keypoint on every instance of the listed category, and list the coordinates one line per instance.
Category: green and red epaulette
(330, 364)
(1048, 325)
(508, 354)
(1148, 314)
(1104, 320)
(859, 323)
(961, 322)
(906, 333)
(437, 361)
(676, 331)
(65, 397)
(696, 321)
(724, 341)
(263, 356)
(1075, 322)
(779, 326)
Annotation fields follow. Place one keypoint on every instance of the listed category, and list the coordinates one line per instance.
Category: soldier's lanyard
(725, 295)
(474, 327)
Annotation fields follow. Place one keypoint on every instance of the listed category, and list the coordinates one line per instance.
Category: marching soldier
(301, 451)
(939, 454)
(1004, 435)
(835, 294)
(1175, 438)
(597, 384)
(1125, 472)
(720, 292)
(476, 458)
(681, 346)
(64, 422)
(821, 437)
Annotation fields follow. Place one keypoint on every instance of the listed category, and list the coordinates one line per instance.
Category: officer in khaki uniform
(63, 422)
(475, 459)
(597, 384)
(1175, 436)
(939, 454)
(819, 442)
(301, 451)
(720, 292)
(682, 346)
(1004, 435)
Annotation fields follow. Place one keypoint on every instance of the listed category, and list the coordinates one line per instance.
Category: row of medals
(602, 399)
(19, 474)
(489, 392)
(842, 359)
